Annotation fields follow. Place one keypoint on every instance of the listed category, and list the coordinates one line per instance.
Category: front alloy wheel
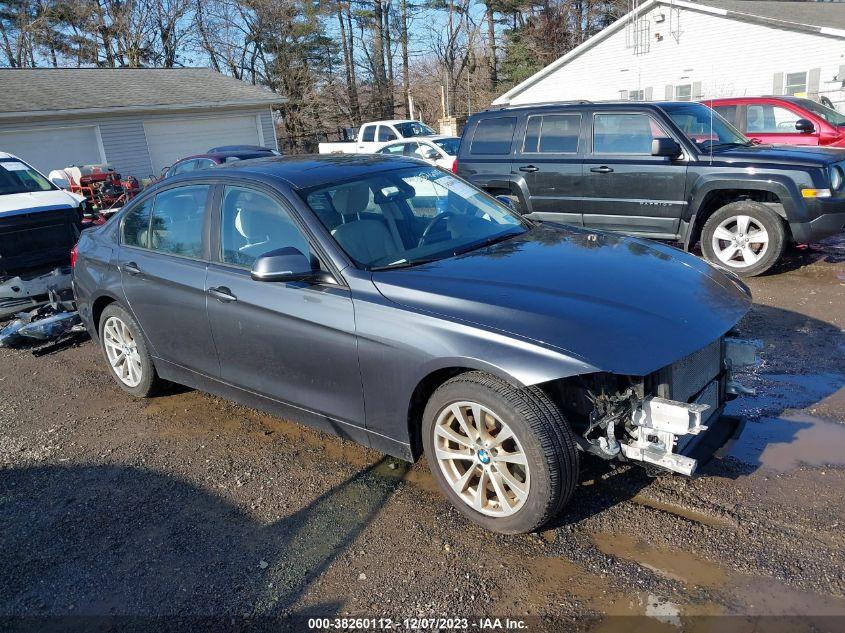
(481, 459)
(746, 237)
(504, 456)
(740, 242)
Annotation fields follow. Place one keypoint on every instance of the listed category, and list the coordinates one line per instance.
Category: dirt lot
(188, 505)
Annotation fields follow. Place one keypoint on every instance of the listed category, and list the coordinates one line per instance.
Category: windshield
(448, 145)
(410, 216)
(828, 114)
(18, 177)
(703, 126)
(413, 128)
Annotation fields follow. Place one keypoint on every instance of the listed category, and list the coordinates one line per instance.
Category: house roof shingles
(820, 14)
(50, 90)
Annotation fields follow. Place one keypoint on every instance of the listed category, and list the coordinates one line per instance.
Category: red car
(788, 120)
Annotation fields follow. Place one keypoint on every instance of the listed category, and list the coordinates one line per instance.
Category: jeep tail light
(455, 165)
(74, 252)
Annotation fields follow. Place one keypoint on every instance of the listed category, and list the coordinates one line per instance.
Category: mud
(189, 505)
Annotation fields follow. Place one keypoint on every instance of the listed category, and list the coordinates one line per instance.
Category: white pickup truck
(376, 134)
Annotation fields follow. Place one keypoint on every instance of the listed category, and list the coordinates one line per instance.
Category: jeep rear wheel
(503, 456)
(745, 237)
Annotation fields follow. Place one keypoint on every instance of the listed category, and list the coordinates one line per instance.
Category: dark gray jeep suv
(672, 171)
(393, 304)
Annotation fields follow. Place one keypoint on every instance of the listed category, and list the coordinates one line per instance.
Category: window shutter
(777, 84)
(669, 92)
(813, 82)
(696, 90)
(649, 92)
(841, 76)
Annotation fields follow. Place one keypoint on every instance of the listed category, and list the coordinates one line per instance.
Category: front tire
(745, 237)
(504, 457)
(126, 353)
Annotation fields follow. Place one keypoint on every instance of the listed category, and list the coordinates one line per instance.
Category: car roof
(5, 155)
(574, 105)
(242, 154)
(311, 170)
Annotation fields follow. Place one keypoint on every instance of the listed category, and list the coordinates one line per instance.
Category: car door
(162, 262)
(775, 123)
(626, 188)
(549, 160)
(366, 139)
(292, 342)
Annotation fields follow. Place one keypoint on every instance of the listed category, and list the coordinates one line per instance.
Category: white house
(690, 50)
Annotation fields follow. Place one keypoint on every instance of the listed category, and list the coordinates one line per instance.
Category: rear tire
(525, 454)
(126, 353)
(746, 237)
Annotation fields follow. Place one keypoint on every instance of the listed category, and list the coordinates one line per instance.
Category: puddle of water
(674, 564)
(778, 392)
(787, 442)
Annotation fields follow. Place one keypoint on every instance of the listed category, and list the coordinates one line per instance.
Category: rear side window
(728, 113)
(177, 222)
(493, 136)
(369, 133)
(553, 134)
(624, 133)
(136, 225)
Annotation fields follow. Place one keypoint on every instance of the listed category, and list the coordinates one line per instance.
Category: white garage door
(173, 139)
(49, 148)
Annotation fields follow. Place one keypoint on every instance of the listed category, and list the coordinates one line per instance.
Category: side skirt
(183, 376)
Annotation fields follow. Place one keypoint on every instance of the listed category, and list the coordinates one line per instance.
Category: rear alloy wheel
(126, 352)
(745, 237)
(503, 456)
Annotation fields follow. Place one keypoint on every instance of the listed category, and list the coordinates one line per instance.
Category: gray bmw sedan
(393, 304)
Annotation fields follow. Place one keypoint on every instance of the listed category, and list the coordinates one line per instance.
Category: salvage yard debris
(57, 323)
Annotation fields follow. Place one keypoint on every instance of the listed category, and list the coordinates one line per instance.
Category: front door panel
(627, 189)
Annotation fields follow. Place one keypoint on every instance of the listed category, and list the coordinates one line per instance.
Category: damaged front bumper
(680, 436)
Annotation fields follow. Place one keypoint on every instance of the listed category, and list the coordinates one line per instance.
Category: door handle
(131, 268)
(529, 168)
(604, 169)
(223, 294)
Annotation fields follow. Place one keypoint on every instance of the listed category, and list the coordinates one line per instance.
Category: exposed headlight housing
(836, 177)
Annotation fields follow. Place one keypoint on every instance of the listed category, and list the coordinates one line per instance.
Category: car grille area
(686, 378)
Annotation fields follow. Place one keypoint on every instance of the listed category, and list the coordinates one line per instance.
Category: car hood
(806, 155)
(17, 203)
(619, 304)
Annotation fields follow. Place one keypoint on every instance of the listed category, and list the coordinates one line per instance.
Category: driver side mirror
(429, 153)
(805, 126)
(286, 265)
(508, 202)
(667, 147)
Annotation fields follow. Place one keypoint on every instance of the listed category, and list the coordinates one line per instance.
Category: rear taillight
(455, 166)
(74, 253)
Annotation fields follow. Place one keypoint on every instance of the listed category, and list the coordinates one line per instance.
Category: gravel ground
(189, 506)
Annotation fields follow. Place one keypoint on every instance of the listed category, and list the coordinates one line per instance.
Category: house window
(795, 83)
(683, 93)
(636, 95)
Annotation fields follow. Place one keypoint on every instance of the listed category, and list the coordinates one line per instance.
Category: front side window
(369, 133)
(18, 177)
(795, 83)
(135, 230)
(397, 149)
(177, 221)
(410, 216)
(704, 126)
(254, 224)
(766, 118)
(184, 167)
(493, 136)
(624, 133)
(448, 145)
(385, 133)
(413, 128)
(552, 133)
(828, 114)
